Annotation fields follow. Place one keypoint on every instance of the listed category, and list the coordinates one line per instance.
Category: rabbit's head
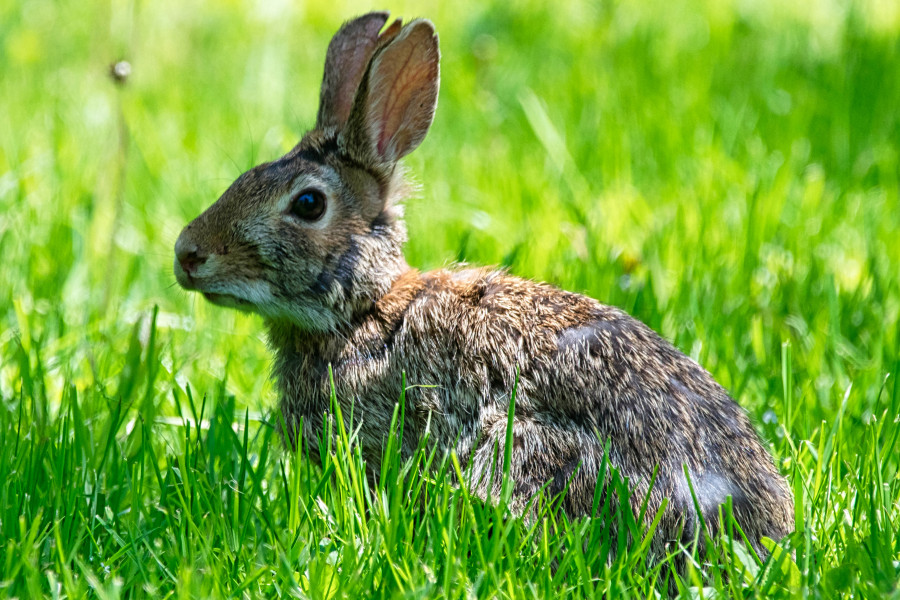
(316, 235)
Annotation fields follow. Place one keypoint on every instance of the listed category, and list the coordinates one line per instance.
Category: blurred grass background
(725, 170)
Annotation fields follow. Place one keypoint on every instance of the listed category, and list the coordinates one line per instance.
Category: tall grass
(725, 171)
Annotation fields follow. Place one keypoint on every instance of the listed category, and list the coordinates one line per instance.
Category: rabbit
(313, 243)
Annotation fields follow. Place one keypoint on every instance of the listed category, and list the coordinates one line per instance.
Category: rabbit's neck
(300, 352)
(308, 363)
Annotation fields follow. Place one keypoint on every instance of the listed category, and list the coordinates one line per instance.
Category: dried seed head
(119, 71)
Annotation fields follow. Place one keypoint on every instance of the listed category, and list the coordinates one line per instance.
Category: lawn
(726, 171)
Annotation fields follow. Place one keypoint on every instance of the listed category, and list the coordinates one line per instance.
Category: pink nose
(189, 256)
(190, 262)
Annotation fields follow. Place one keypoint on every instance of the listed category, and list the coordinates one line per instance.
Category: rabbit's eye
(308, 205)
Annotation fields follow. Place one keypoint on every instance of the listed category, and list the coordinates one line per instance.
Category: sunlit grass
(725, 171)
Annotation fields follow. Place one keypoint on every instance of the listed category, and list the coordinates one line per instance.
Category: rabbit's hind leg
(544, 456)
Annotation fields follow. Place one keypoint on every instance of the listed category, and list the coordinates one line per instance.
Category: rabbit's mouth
(228, 300)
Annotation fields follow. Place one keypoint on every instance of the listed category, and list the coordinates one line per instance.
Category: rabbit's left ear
(348, 56)
(395, 103)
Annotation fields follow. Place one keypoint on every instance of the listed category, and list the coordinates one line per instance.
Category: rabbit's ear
(348, 56)
(396, 101)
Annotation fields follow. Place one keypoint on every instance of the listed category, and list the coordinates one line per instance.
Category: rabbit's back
(587, 373)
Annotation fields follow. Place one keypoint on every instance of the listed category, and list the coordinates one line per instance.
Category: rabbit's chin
(308, 317)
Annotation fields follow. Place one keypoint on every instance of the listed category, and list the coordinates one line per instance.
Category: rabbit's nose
(191, 261)
(189, 256)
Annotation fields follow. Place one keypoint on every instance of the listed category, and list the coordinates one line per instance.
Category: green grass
(725, 171)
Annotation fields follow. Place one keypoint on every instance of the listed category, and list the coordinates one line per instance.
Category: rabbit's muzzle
(188, 259)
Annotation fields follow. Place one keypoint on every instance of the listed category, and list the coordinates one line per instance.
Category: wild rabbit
(313, 243)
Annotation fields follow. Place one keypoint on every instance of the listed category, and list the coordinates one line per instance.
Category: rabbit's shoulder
(462, 296)
(485, 310)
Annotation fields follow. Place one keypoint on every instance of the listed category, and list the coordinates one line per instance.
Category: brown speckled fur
(338, 292)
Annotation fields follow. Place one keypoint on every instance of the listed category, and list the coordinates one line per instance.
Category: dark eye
(308, 205)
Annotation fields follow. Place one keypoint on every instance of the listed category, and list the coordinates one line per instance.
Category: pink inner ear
(404, 93)
(395, 107)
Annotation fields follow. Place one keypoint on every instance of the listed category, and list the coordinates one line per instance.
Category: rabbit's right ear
(396, 100)
(348, 56)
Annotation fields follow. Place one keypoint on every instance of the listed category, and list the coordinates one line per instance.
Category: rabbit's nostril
(190, 261)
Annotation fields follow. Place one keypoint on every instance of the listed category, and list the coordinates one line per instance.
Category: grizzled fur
(337, 291)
